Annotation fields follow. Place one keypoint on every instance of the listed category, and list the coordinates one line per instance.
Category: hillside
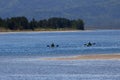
(95, 13)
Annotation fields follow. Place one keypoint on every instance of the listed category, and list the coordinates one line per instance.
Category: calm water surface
(70, 43)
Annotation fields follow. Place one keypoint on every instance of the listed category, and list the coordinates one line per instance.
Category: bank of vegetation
(55, 23)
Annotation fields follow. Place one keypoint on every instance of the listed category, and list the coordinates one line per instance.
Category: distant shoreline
(55, 31)
(44, 31)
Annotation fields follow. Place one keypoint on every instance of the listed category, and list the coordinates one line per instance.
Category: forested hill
(97, 13)
(22, 23)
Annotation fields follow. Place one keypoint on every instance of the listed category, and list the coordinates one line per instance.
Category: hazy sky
(95, 13)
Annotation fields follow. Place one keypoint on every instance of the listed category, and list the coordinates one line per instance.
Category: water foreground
(25, 56)
(33, 68)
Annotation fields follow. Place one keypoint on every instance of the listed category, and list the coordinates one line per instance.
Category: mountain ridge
(99, 13)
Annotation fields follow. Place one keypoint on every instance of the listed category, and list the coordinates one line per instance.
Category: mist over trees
(22, 23)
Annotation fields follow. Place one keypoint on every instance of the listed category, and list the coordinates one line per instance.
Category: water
(27, 69)
(70, 43)
(14, 47)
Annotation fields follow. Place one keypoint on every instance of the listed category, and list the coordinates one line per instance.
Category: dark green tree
(43, 24)
(77, 24)
(33, 24)
(1, 22)
(22, 23)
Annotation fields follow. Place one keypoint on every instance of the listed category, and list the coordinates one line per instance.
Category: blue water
(70, 43)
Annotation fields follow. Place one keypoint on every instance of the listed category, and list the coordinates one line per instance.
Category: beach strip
(88, 57)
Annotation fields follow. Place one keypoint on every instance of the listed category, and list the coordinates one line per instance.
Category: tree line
(22, 23)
